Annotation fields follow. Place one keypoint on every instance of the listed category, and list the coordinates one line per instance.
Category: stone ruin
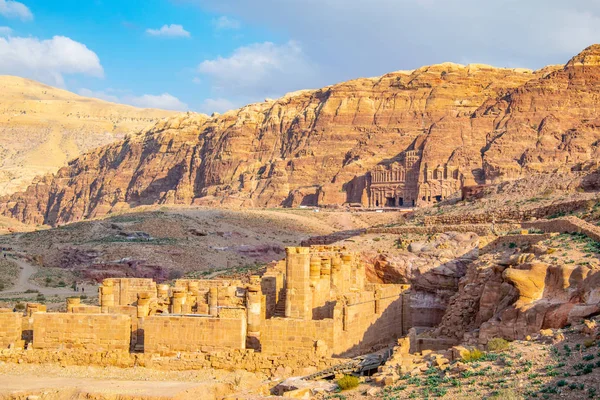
(315, 302)
(408, 184)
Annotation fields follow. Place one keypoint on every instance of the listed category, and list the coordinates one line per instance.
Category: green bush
(498, 344)
(348, 382)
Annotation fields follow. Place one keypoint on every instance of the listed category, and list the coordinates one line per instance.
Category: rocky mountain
(465, 124)
(42, 128)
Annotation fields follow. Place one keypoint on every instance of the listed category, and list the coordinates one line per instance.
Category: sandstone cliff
(41, 128)
(317, 147)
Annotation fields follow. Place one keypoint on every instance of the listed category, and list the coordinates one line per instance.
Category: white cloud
(412, 33)
(226, 23)
(14, 9)
(260, 70)
(172, 30)
(5, 31)
(47, 60)
(163, 101)
(210, 106)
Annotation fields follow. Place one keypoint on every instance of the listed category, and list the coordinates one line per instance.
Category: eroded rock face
(316, 147)
(520, 300)
(432, 267)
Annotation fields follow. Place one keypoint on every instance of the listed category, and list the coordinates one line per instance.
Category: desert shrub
(348, 382)
(174, 274)
(588, 343)
(506, 394)
(473, 355)
(19, 306)
(377, 239)
(498, 344)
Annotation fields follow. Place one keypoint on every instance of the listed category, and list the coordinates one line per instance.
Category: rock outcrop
(433, 268)
(317, 147)
(521, 295)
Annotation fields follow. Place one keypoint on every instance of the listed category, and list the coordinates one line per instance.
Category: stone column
(298, 295)
(143, 304)
(346, 272)
(326, 274)
(213, 302)
(72, 302)
(107, 295)
(162, 291)
(336, 274)
(178, 300)
(377, 296)
(254, 313)
(315, 270)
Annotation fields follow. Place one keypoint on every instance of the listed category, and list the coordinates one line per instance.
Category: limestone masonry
(315, 302)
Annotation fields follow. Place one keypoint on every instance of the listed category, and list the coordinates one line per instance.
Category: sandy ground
(56, 382)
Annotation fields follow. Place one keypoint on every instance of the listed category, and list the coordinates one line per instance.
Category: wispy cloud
(172, 30)
(5, 31)
(226, 23)
(163, 101)
(14, 9)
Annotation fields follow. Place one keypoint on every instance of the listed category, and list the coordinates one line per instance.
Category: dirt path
(77, 387)
(23, 283)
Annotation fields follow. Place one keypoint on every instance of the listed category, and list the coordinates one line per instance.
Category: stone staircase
(280, 307)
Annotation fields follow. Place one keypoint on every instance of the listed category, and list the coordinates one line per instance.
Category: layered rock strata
(317, 147)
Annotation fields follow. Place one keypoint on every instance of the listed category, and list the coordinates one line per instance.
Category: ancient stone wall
(369, 319)
(164, 334)
(508, 215)
(10, 329)
(566, 225)
(283, 335)
(479, 229)
(93, 332)
(229, 360)
(126, 290)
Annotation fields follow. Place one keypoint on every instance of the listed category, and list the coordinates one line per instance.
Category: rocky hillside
(42, 128)
(317, 147)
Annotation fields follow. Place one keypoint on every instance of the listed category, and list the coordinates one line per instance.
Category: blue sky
(213, 55)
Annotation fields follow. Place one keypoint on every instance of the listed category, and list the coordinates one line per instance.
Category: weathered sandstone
(428, 132)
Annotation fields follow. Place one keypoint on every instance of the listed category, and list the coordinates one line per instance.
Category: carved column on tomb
(254, 300)
(107, 295)
(298, 295)
(213, 301)
(72, 302)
